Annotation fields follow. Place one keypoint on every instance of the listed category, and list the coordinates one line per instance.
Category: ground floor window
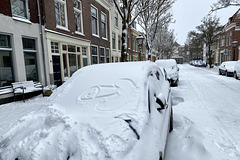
(6, 70)
(72, 63)
(31, 66)
(116, 59)
(102, 55)
(229, 55)
(30, 59)
(107, 55)
(94, 55)
(65, 68)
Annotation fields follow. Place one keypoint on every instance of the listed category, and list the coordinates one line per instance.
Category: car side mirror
(178, 69)
(161, 100)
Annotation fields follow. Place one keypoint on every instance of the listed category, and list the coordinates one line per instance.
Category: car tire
(235, 75)
(226, 73)
(171, 122)
(219, 72)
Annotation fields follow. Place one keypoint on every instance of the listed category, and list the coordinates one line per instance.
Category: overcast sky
(189, 13)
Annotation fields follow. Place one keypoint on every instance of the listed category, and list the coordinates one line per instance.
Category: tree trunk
(209, 56)
(124, 42)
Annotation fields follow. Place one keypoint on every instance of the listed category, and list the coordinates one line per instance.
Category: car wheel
(226, 73)
(235, 75)
(219, 72)
(171, 122)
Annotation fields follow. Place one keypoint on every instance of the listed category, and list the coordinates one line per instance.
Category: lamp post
(234, 44)
(140, 39)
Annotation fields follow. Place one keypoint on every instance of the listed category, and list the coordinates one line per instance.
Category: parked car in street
(227, 68)
(237, 70)
(201, 63)
(118, 111)
(170, 65)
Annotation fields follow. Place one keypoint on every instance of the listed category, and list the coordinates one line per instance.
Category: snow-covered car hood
(87, 118)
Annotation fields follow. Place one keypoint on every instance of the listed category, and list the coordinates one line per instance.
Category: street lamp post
(234, 44)
(140, 39)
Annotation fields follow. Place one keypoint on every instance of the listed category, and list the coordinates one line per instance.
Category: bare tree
(155, 15)
(224, 4)
(128, 10)
(164, 41)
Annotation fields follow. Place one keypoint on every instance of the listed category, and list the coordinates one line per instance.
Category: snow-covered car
(237, 70)
(171, 68)
(227, 68)
(119, 111)
(201, 63)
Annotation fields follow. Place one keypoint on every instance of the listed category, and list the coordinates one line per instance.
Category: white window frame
(102, 13)
(84, 55)
(97, 35)
(65, 16)
(94, 55)
(230, 38)
(79, 11)
(53, 47)
(108, 57)
(101, 55)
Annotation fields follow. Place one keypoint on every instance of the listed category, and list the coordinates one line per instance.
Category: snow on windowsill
(95, 35)
(62, 28)
(105, 39)
(22, 20)
(79, 33)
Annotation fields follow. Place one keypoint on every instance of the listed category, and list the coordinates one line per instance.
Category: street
(206, 116)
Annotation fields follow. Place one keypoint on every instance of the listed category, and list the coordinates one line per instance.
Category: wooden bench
(26, 87)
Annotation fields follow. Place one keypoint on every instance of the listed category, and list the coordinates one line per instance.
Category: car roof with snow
(104, 89)
(166, 62)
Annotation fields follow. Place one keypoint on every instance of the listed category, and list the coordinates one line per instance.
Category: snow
(206, 123)
(206, 116)
(91, 118)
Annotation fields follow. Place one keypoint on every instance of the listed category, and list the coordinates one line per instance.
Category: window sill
(116, 27)
(96, 35)
(22, 20)
(79, 33)
(105, 39)
(62, 28)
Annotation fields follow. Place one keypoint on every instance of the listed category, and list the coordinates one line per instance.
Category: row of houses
(226, 43)
(48, 40)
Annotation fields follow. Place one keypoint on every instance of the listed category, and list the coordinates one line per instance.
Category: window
(94, 17)
(116, 19)
(113, 41)
(133, 43)
(116, 59)
(128, 41)
(230, 38)
(227, 40)
(84, 54)
(119, 43)
(103, 25)
(6, 69)
(223, 41)
(72, 63)
(78, 15)
(134, 25)
(107, 55)
(29, 50)
(229, 55)
(94, 55)
(102, 55)
(54, 47)
(19, 8)
(60, 9)
(65, 65)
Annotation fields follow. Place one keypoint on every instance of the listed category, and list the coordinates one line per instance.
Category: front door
(57, 70)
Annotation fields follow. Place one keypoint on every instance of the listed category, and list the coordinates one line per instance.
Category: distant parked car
(117, 111)
(201, 63)
(227, 68)
(237, 70)
(172, 70)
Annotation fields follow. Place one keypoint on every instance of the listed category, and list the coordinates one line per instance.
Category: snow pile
(186, 141)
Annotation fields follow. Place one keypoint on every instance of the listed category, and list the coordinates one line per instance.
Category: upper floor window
(19, 8)
(103, 25)
(113, 41)
(78, 15)
(230, 38)
(116, 19)
(94, 17)
(119, 42)
(223, 41)
(227, 40)
(134, 25)
(60, 9)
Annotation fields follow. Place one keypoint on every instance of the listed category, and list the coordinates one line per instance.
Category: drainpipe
(42, 44)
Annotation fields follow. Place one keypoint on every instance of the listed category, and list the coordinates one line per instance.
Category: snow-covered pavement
(206, 116)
